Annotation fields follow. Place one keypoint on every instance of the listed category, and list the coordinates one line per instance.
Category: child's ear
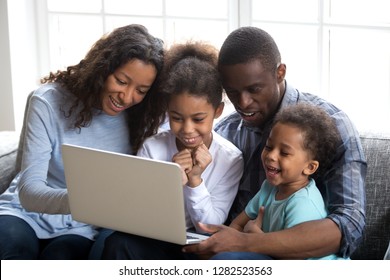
(219, 110)
(311, 167)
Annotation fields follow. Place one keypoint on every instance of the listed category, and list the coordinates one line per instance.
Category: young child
(211, 165)
(302, 141)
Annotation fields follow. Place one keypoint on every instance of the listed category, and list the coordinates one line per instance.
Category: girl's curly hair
(86, 79)
(192, 67)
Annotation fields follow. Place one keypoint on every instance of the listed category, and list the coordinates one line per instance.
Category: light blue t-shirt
(304, 205)
(41, 181)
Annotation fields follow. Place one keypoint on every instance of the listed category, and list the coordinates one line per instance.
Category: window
(338, 49)
(74, 25)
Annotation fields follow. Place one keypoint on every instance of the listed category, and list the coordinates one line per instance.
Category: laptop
(127, 193)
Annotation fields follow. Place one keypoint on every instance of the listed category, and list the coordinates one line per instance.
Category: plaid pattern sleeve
(343, 186)
(248, 140)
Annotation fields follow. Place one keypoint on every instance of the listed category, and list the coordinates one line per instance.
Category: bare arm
(240, 221)
(309, 239)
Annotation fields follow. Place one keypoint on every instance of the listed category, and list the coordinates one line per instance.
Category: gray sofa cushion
(377, 232)
(8, 150)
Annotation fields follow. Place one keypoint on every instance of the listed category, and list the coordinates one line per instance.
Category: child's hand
(254, 226)
(201, 158)
(184, 159)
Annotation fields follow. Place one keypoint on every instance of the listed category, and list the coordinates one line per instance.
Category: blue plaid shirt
(342, 186)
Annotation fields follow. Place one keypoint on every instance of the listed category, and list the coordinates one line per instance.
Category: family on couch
(111, 100)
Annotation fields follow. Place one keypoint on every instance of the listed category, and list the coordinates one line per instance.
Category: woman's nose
(127, 96)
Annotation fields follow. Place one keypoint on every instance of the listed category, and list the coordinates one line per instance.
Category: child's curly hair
(321, 136)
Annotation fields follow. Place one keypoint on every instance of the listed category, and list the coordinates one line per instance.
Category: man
(253, 78)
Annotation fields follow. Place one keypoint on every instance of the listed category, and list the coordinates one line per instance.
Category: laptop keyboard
(191, 237)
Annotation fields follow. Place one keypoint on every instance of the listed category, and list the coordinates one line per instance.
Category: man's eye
(254, 89)
(231, 93)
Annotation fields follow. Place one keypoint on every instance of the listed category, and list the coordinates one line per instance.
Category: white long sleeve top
(209, 202)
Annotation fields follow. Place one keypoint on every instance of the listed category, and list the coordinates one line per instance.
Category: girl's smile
(191, 119)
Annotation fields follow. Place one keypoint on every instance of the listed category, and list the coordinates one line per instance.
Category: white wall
(7, 121)
(19, 70)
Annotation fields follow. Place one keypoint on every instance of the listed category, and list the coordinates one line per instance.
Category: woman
(103, 102)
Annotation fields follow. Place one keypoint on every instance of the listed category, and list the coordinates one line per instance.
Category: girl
(211, 165)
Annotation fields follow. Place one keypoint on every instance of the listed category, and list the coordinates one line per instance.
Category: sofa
(376, 146)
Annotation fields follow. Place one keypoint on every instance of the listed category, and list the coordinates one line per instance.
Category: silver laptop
(127, 193)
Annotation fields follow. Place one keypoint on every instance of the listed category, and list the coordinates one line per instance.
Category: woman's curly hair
(320, 133)
(86, 79)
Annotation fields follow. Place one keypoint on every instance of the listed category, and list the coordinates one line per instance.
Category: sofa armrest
(8, 150)
(376, 235)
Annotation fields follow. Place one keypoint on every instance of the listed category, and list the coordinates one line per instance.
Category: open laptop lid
(125, 193)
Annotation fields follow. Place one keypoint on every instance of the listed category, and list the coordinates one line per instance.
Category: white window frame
(43, 23)
(239, 15)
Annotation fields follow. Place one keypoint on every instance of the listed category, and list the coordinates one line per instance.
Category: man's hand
(306, 240)
(223, 239)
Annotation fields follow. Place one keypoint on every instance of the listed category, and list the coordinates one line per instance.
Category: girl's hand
(201, 158)
(184, 159)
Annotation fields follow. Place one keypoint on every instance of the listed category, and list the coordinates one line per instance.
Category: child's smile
(191, 120)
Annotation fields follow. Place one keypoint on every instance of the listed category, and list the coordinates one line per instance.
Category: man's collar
(290, 97)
